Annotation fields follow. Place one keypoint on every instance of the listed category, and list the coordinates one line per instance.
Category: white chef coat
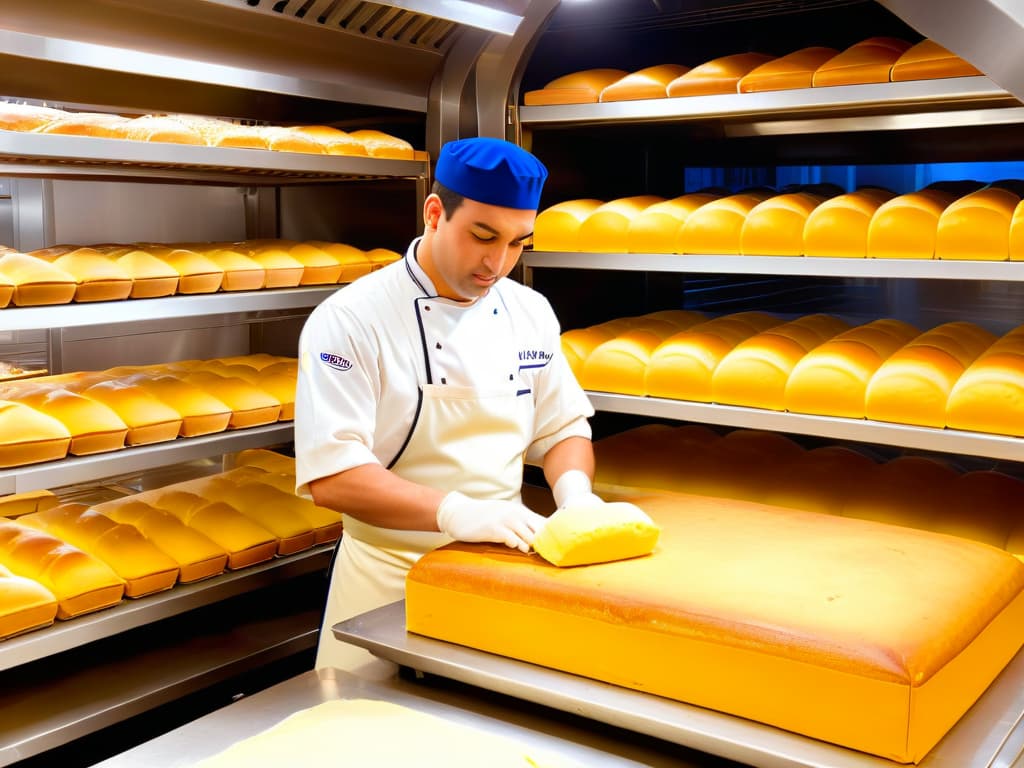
(365, 352)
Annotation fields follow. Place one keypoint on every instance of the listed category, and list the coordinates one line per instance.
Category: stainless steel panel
(139, 612)
(32, 204)
(976, 740)
(80, 469)
(571, 741)
(922, 438)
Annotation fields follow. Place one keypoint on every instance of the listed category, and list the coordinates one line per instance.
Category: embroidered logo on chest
(337, 362)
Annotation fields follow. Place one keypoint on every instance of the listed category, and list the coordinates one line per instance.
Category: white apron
(463, 439)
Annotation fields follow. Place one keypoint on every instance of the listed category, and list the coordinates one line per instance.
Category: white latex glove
(573, 489)
(505, 522)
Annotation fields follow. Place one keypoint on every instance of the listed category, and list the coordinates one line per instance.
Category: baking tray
(989, 735)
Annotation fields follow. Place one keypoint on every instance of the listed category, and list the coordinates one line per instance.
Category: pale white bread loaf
(36, 281)
(867, 61)
(647, 83)
(557, 228)
(24, 604)
(720, 75)
(144, 568)
(926, 60)
(583, 87)
(832, 378)
(245, 541)
(914, 384)
(794, 70)
(80, 582)
(754, 373)
(197, 555)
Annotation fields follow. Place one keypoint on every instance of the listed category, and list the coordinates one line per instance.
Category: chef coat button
(426, 307)
(438, 345)
(510, 377)
(444, 380)
(495, 310)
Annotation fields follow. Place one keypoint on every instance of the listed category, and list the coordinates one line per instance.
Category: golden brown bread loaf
(96, 124)
(282, 139)
(241, 273)
(26, 117)
(928, 60)
(868, 61)
(905, 226)
(832, 378)
(80, 582)
(201, 413)
(794, 70)
(658, 228)
(682, 365)
(144, 568)
(620, 364)
(914, 384)
(776, 225)
(277, 380)
(719, 75)
(716, 226)
(28, 436)
(380, 257)
(839, 226)
(754, 373)
(987, 396)
(36, 281)
(148, 419)
(271, 461)
(977, 226)
(606, 229)
(151, 277)
(558, 228)
(196, 555)
(575, 88)
(333, 141)
(196, 273)
(24, 604)
(250, 406)
(901, 648)
(319, 266)
(17, 504)
(93, 426)
(647, 83)
(160, 128)
(245, 541)
(380, 144)
(282, 269)
(353, 262)
(97, 278)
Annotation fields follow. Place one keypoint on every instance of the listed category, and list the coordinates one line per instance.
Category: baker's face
(477, 246)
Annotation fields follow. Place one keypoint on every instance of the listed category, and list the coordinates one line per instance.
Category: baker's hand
(506, 522)
(573, 489)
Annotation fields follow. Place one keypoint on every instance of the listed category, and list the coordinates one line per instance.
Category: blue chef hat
(492, 171)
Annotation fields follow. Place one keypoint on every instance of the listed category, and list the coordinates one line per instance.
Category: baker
(424, 386)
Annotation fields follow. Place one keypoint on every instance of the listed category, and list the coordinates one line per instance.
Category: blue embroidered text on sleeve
(337, 362)
(533, 358)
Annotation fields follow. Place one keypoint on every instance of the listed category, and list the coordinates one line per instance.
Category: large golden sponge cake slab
(870, 636)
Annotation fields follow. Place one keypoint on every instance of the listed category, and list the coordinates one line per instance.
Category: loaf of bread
(97, 278)
(794, 70)
(353, 263)
(913, 386)
(241, 273)
(596, 533)
(832, 378)
(196, 273)
(277, 380)
(93, 426)
(719, 75)
(776, 225)
(26, 117)
(716, 227)
(6, 289)
(333, 141)
(977, 226)
(558, 228)
(819, 480)
(282, 269)
(579, 343)
(801, 607)
(681, 367)
(160, 128)
(620, 364)
(380, 257)
(270, 461)
(380, 144)
(220, 133)
(989, 395)
(326, 523)
(151, 277)
(283, 139)
(646, 456)
(148, 419)
(606, 229)
(908, 491)
(928, 60)
(319, 266)
(28, 436)
(658, 228)
(868, 61)
(250, 406)
(35, 281)
(905, 226)
(647, 83)
(17, 504)
(575, 88)
(80, 582)
(196, 555)
(96, 124)
(144, 568)
(201, 412)
(754, 373)
(839, 226)
(245, 541)
(24, 604)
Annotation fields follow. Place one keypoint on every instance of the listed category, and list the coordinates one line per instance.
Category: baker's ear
(433, 210)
